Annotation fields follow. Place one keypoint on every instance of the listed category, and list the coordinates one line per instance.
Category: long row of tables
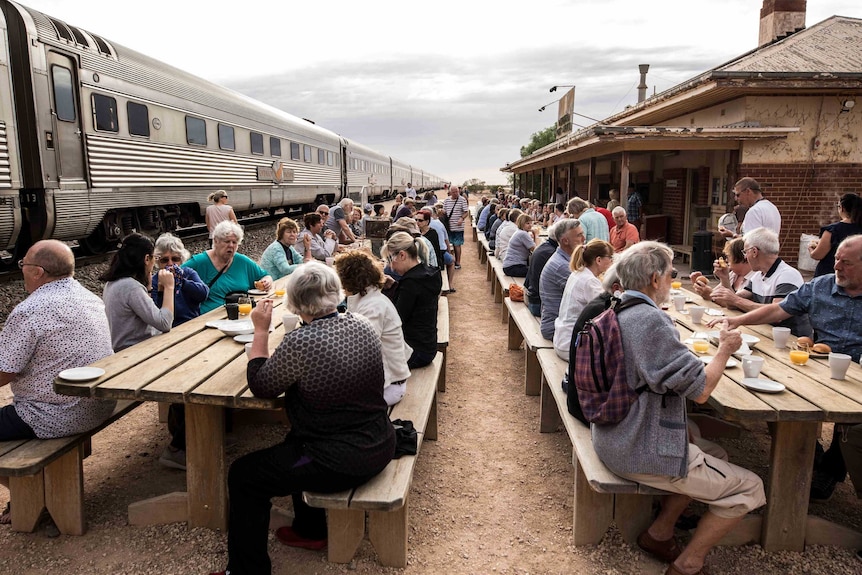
(794, 417)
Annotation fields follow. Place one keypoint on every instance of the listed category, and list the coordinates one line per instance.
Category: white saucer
(257, 292)
(81, 373)
(710, 311)
(730, 361)
(764, 385)
(746, 338)
(244, 338)
(232, 327)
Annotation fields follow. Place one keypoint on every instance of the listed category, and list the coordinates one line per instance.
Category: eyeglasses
(175, 259)
(322, 213)
(419, 220)
(22, 263)
(745, 250)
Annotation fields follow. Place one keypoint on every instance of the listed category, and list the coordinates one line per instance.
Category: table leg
(788, 486)
(206, 480)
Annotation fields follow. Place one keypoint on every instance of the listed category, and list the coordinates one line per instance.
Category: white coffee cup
(751, 365)
(679, 302)
(248, 349)
(838, 364)
(290, 321)
(779, 336)
(330, 261)
(696, 312)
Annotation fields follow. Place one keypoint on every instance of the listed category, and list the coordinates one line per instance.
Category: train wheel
(96, 243)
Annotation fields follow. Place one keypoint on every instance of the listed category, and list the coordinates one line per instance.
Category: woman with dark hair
(331, 374)
(732, 272)
(415, 296)
(850, 224)
(363, 279)
(132, 315)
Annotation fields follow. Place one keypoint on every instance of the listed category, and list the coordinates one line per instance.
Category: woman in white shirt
(588, 263)
(504, 234)
(362, 279)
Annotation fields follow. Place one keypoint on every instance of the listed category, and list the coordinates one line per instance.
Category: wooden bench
(442, 338)
(524, 327)
(483, 248)
(49, 474)
(499, 280)
(600, 496)
(444, 276)
(385, 498)
(683, 251)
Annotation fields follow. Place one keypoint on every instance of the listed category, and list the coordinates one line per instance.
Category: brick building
(783, 114)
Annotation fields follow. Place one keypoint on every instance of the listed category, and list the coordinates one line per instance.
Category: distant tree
(539, 140)
(473, 185)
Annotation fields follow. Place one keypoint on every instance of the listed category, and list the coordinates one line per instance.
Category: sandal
(6, 516)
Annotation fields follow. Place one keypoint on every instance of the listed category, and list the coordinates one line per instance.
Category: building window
(306, 153)
(275, 147)
(139, 119)
(226, 137)
(196, 131)
(294, 151)
(321, 156)
(256, 143)
(105, 113)
(64, 97)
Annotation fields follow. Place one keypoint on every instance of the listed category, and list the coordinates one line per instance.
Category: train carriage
(111, 141)
(400, 177)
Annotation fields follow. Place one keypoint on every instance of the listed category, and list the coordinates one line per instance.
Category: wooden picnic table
(205, 370)
(794, 417)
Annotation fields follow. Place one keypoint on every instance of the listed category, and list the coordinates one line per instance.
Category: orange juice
(700, 345)
(675, 284)
(799, 357)
(279, 292)
(244, 308)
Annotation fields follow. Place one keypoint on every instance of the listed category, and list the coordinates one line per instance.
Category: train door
(68, 138)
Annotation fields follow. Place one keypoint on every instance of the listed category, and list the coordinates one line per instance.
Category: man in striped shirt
(455, 208)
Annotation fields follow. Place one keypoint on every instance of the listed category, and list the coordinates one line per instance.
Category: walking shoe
(173, 458)
(665, 551)
(457, 266)
(822, 486)
(289, 537)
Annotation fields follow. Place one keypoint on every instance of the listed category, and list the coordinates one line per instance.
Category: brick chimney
(780, 18)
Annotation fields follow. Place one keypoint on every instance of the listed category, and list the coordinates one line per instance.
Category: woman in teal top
(224, 270)
(280, 258)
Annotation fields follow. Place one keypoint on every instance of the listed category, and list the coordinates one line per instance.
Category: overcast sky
(451, 86)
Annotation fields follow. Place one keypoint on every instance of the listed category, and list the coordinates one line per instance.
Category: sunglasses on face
(175, 259)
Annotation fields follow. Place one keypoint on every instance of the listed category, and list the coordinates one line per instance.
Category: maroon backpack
(599, 368)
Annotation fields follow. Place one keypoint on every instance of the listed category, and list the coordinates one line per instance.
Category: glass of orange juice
(675, 284)
(799, 354)
(279, 292)
(244, 305)
(700, 345)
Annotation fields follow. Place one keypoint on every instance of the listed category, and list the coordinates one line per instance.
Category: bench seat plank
(524, 327)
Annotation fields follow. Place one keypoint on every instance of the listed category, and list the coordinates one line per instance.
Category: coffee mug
(780, 336)
(248, 349)
(838, 364)
(679, 302)
(290, 321)
(696, 312)
(751, 365)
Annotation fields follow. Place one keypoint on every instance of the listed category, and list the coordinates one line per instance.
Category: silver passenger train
(97, 140)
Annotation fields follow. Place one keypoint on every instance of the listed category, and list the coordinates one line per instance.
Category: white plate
(233, 327)
(257, 292)
(244, 338)
(746, 338)
(730, 361)
(675, 292)
(711, 311)
(81, 373)
(764, 385)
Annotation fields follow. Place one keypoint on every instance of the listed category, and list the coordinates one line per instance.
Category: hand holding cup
(261, 316)
(729, 340)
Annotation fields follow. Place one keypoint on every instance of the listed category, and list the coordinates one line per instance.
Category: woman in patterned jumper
(331, 372)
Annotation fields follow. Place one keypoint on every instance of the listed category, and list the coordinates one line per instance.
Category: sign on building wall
(564, 113)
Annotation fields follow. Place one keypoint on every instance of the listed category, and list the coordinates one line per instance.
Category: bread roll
(702, 281)
(821, 348)
(722, 263)
(805, 341)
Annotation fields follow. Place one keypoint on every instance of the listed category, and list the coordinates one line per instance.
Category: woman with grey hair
(331, 374)
(223, 270)
(189, 292)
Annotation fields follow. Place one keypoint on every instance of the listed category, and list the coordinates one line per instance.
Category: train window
(321, 156)
(330, 158)
(64, 97)
(79, 38)
(256, 143)
(62, 29)
(226, 137)
(103, 46)
(306, 153)
(275, 147)
(105, 113)
(196, 131)
(294, 151)
(139, 119)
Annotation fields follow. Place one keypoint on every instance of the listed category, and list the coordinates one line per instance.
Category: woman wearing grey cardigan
(132, 315)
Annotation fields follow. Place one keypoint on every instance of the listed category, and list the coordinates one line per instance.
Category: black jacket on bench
(416, 301)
